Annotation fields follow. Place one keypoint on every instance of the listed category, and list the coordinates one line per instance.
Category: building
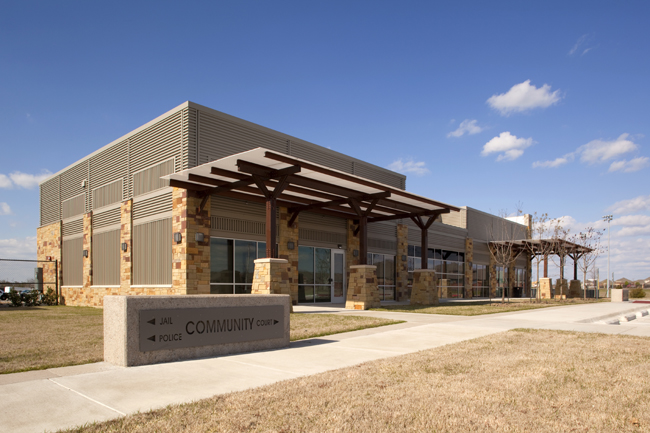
(132, 218)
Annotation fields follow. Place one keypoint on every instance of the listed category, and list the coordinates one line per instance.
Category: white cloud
(5, 209)
(524, 97)
(631, 220)
(582, 41)
(5, 182)
(634, 231)
(510, 146)
(409, 166)
(630, 166)
(636, 204)
(28, 181)
(601, 150)
(557, 162)
(466, 126)
(24, 248)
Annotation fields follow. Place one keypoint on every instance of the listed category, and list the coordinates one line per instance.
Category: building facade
(116, 225)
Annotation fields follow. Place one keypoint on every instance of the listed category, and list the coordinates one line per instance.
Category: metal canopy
(264, 176)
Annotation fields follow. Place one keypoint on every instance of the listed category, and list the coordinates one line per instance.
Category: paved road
(69, 396)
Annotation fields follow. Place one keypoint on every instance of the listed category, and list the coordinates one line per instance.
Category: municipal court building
(188, 202)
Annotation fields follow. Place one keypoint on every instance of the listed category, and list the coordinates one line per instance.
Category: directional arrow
(275, 321)
(152, 338)
(152, 321)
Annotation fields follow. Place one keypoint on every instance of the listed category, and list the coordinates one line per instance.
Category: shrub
(637, 293)
(32, 298)
(49, 298)
(15, 298)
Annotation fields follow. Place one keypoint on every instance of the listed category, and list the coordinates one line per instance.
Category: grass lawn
(37, 338)
(481, 307)
(516, 381)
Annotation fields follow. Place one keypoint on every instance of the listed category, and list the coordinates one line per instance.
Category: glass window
(389, 270)
(323, 265)
(245, 255)
(305, 265)
(261, 250)
(378, 260)
(221, 261)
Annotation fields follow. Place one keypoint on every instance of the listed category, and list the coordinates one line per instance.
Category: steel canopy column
(424, 242)
(271, 228)
(363, 240)
(546, 266)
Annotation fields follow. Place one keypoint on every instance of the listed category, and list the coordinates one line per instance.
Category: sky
(492, 105)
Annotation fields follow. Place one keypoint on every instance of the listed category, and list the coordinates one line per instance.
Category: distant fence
(35, 274)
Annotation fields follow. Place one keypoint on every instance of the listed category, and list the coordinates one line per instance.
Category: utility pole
(608, 218)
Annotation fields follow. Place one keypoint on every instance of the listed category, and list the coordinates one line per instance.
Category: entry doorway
(321, 275)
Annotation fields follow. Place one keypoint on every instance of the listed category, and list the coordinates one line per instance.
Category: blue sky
(484, 104)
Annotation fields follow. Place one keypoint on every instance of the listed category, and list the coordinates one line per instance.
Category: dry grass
(481, 307)
(517, 381)
(317, 325)
(37, 338)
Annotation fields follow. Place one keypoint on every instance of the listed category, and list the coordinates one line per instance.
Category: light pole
(608, 218)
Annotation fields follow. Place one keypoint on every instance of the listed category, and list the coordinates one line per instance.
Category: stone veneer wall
(88, 246)
(424, 290)
(363, 291)
(126, 237)
(352, 244)
(545, 288)
(401, 266)
(190, 259)
(271, 277)
(469, 271)
(289, 234)
(48, 244)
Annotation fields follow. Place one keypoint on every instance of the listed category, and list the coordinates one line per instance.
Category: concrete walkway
(57, 398)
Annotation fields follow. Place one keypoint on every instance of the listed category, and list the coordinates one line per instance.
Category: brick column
(469, 272)
(352, 244)
(87, 245)
(401, 266)
(271, 277)
(190, 259)
(48, 244)
(363, 292)
(424, 291)
(288, 234)
(126, 230)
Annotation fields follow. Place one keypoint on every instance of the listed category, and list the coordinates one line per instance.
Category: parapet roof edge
(122, 138)
(492, 215)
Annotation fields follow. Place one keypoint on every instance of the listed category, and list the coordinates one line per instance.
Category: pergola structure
(548, 247)
(276, 179)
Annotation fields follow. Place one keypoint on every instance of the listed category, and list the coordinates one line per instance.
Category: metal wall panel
(72, 262)
(50, 201)
(481, 253)
(321, 156)
(232, 208)
(309, 220)
(479, 225)
(107, 218)
(107, 194)
(440, 236)
(456, 219)
(73, 206)
(382, 238)
(151, 206)
(371, 172)
(106, 258)
(152, 253)
(148, 180)
(73, 227)
(71, 182)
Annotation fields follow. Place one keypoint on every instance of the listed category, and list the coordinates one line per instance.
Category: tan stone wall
(94, 296)
(88, 246)
(126, 236)
(288, 234)
(271, 277)
(190, 259)
(48, 244)
(401, 266)
(469, 261)
(424, 290)
(545, 288)
(363, 292)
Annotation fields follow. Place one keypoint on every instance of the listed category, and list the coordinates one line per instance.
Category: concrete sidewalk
(71, 396)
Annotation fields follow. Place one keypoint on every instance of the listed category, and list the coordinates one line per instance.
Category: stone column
(424, 291)
(363, 292)
(469, 272)
(126, 237)
(545, 288)
(288, 234)
(401, 266)
(190, 258)
(271, 277)
(493, 277)
(352, 245)
(48, 244)
(88, 246)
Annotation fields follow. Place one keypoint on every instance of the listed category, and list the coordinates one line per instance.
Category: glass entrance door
(338, 276)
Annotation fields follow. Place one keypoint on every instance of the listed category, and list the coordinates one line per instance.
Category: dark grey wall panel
(152, 253)
(106, 258)
(72, 262)
(50, 201)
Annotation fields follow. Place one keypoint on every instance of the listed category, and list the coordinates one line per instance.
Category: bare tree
(542, 228)
(503, 247)
(561, 250)
(590, 241)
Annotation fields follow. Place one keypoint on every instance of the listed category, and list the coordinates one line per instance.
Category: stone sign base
(140, 330)
(620, 295)
(424, 290)
(363, 292)
(545, 288)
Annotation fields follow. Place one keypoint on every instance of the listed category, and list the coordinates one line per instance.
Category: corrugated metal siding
(71, 181)
(152, 253)
(232, 218)
(321, 230)
(107, 194)
(481, 253)
(50, 201)
(321, 157)
(73, 262)
(231, 208)
(382, 238)
(440, 236)
(370, 172)
(192, 137)
(152, 206)
(106, 258)
(106, 169)
(456, 219)
(105, 219)
(480, 224)
(73, 206)
(74, 227)
(315, 221)
(148, 180)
